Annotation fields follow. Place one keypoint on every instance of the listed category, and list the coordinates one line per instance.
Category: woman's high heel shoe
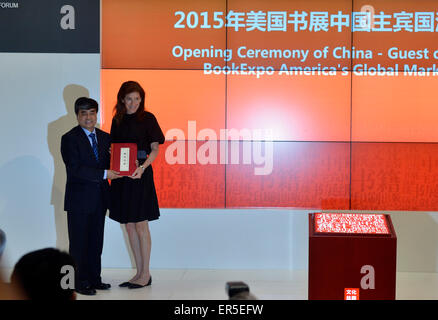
(125, 284)
(137, 286)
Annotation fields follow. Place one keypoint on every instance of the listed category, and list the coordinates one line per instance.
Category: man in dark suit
(86, 153)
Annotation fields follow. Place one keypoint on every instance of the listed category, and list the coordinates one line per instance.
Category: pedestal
(352, 257)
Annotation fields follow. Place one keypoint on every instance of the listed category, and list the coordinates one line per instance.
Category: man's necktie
(94, 144)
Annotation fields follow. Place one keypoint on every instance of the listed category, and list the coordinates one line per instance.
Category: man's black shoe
(88, 291)
(102, 286)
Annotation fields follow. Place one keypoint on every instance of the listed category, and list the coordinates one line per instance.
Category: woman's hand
(139, 171)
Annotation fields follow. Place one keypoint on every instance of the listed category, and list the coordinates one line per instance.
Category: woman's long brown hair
(127, 88)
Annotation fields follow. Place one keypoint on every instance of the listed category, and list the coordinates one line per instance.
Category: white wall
(206, 238)
(37, 93)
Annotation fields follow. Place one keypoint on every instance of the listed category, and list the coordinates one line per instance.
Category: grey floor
(202, 284)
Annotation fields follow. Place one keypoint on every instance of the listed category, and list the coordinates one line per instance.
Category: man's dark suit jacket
(85, 184)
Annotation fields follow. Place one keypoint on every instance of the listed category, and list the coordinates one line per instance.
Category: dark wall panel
(50, 26)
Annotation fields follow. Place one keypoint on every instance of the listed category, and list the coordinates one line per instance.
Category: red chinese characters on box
(351, 294)
(351, 223)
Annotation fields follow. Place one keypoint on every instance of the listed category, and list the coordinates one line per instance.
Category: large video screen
(296, 104)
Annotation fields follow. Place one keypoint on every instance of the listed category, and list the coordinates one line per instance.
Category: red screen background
(339, 142)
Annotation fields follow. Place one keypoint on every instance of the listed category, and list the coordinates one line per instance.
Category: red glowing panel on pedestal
(351, 223)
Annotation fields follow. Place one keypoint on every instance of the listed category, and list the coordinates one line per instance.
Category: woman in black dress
(133, 199)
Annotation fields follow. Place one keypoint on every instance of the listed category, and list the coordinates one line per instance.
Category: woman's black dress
(135, 200)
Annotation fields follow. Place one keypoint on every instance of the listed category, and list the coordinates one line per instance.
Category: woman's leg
(134, 242)
(144, 236)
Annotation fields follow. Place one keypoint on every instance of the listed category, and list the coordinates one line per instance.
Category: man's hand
(111, 174)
